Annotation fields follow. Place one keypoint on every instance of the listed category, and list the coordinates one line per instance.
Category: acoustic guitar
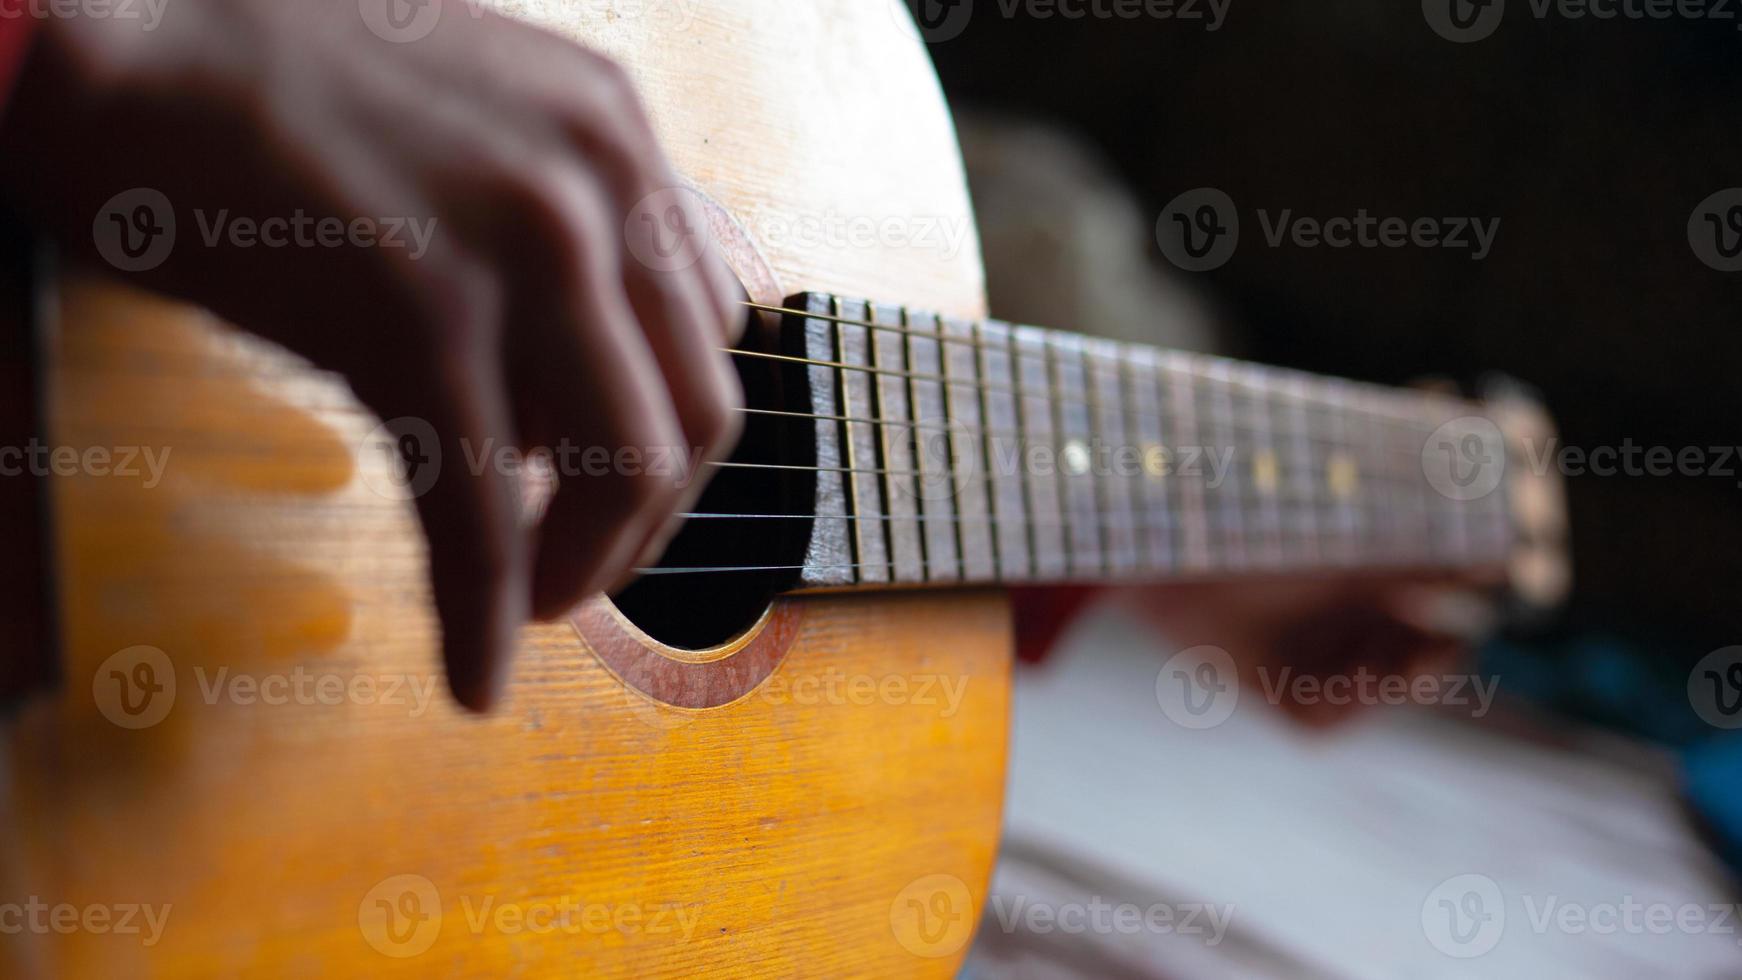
(780, 752)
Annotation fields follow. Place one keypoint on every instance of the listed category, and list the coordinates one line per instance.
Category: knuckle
(546, 204)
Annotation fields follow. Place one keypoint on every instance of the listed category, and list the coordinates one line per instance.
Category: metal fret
(1045, 498)
(1254, 394)
(829, 559)
(870, 532)
(1116, 457)
(1416, 516)
(1445, 517)
(933, 448)
(895, 442)
(1076, 455)
(1150, 492)
(1303, 487)
(1181, 394)
(967, 451)
(1004, 459)
(1391, 469)
(1223, 497)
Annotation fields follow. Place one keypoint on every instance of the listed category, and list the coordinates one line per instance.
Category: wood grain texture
(797, 831)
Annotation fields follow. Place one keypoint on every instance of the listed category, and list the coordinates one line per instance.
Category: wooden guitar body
(251, 734)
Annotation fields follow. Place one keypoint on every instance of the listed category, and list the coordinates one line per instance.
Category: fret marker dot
(1156, 461)
(1265, 471)
(1342, 476)
(1076, 458)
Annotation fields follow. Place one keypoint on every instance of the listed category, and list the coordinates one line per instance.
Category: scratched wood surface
(309, 803)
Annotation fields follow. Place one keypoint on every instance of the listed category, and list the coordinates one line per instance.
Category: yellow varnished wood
(800, 831)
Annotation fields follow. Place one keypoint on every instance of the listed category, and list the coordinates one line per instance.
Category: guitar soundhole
(722, 570)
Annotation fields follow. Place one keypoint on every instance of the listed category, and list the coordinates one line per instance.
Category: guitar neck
(980, 453)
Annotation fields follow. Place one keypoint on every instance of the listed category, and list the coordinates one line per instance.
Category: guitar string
(1205, 383)
(1412, 425)
(1369, 538)
(1163, 357)
(1336, 410)
(1353, 559)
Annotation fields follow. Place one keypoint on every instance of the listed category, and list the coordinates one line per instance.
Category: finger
(595, 522)
(683, 327)
(728, 296)
(477, 550)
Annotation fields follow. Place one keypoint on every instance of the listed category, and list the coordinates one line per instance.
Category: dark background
(1591, 140)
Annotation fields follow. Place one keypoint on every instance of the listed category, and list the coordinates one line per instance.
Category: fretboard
(980, 452)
